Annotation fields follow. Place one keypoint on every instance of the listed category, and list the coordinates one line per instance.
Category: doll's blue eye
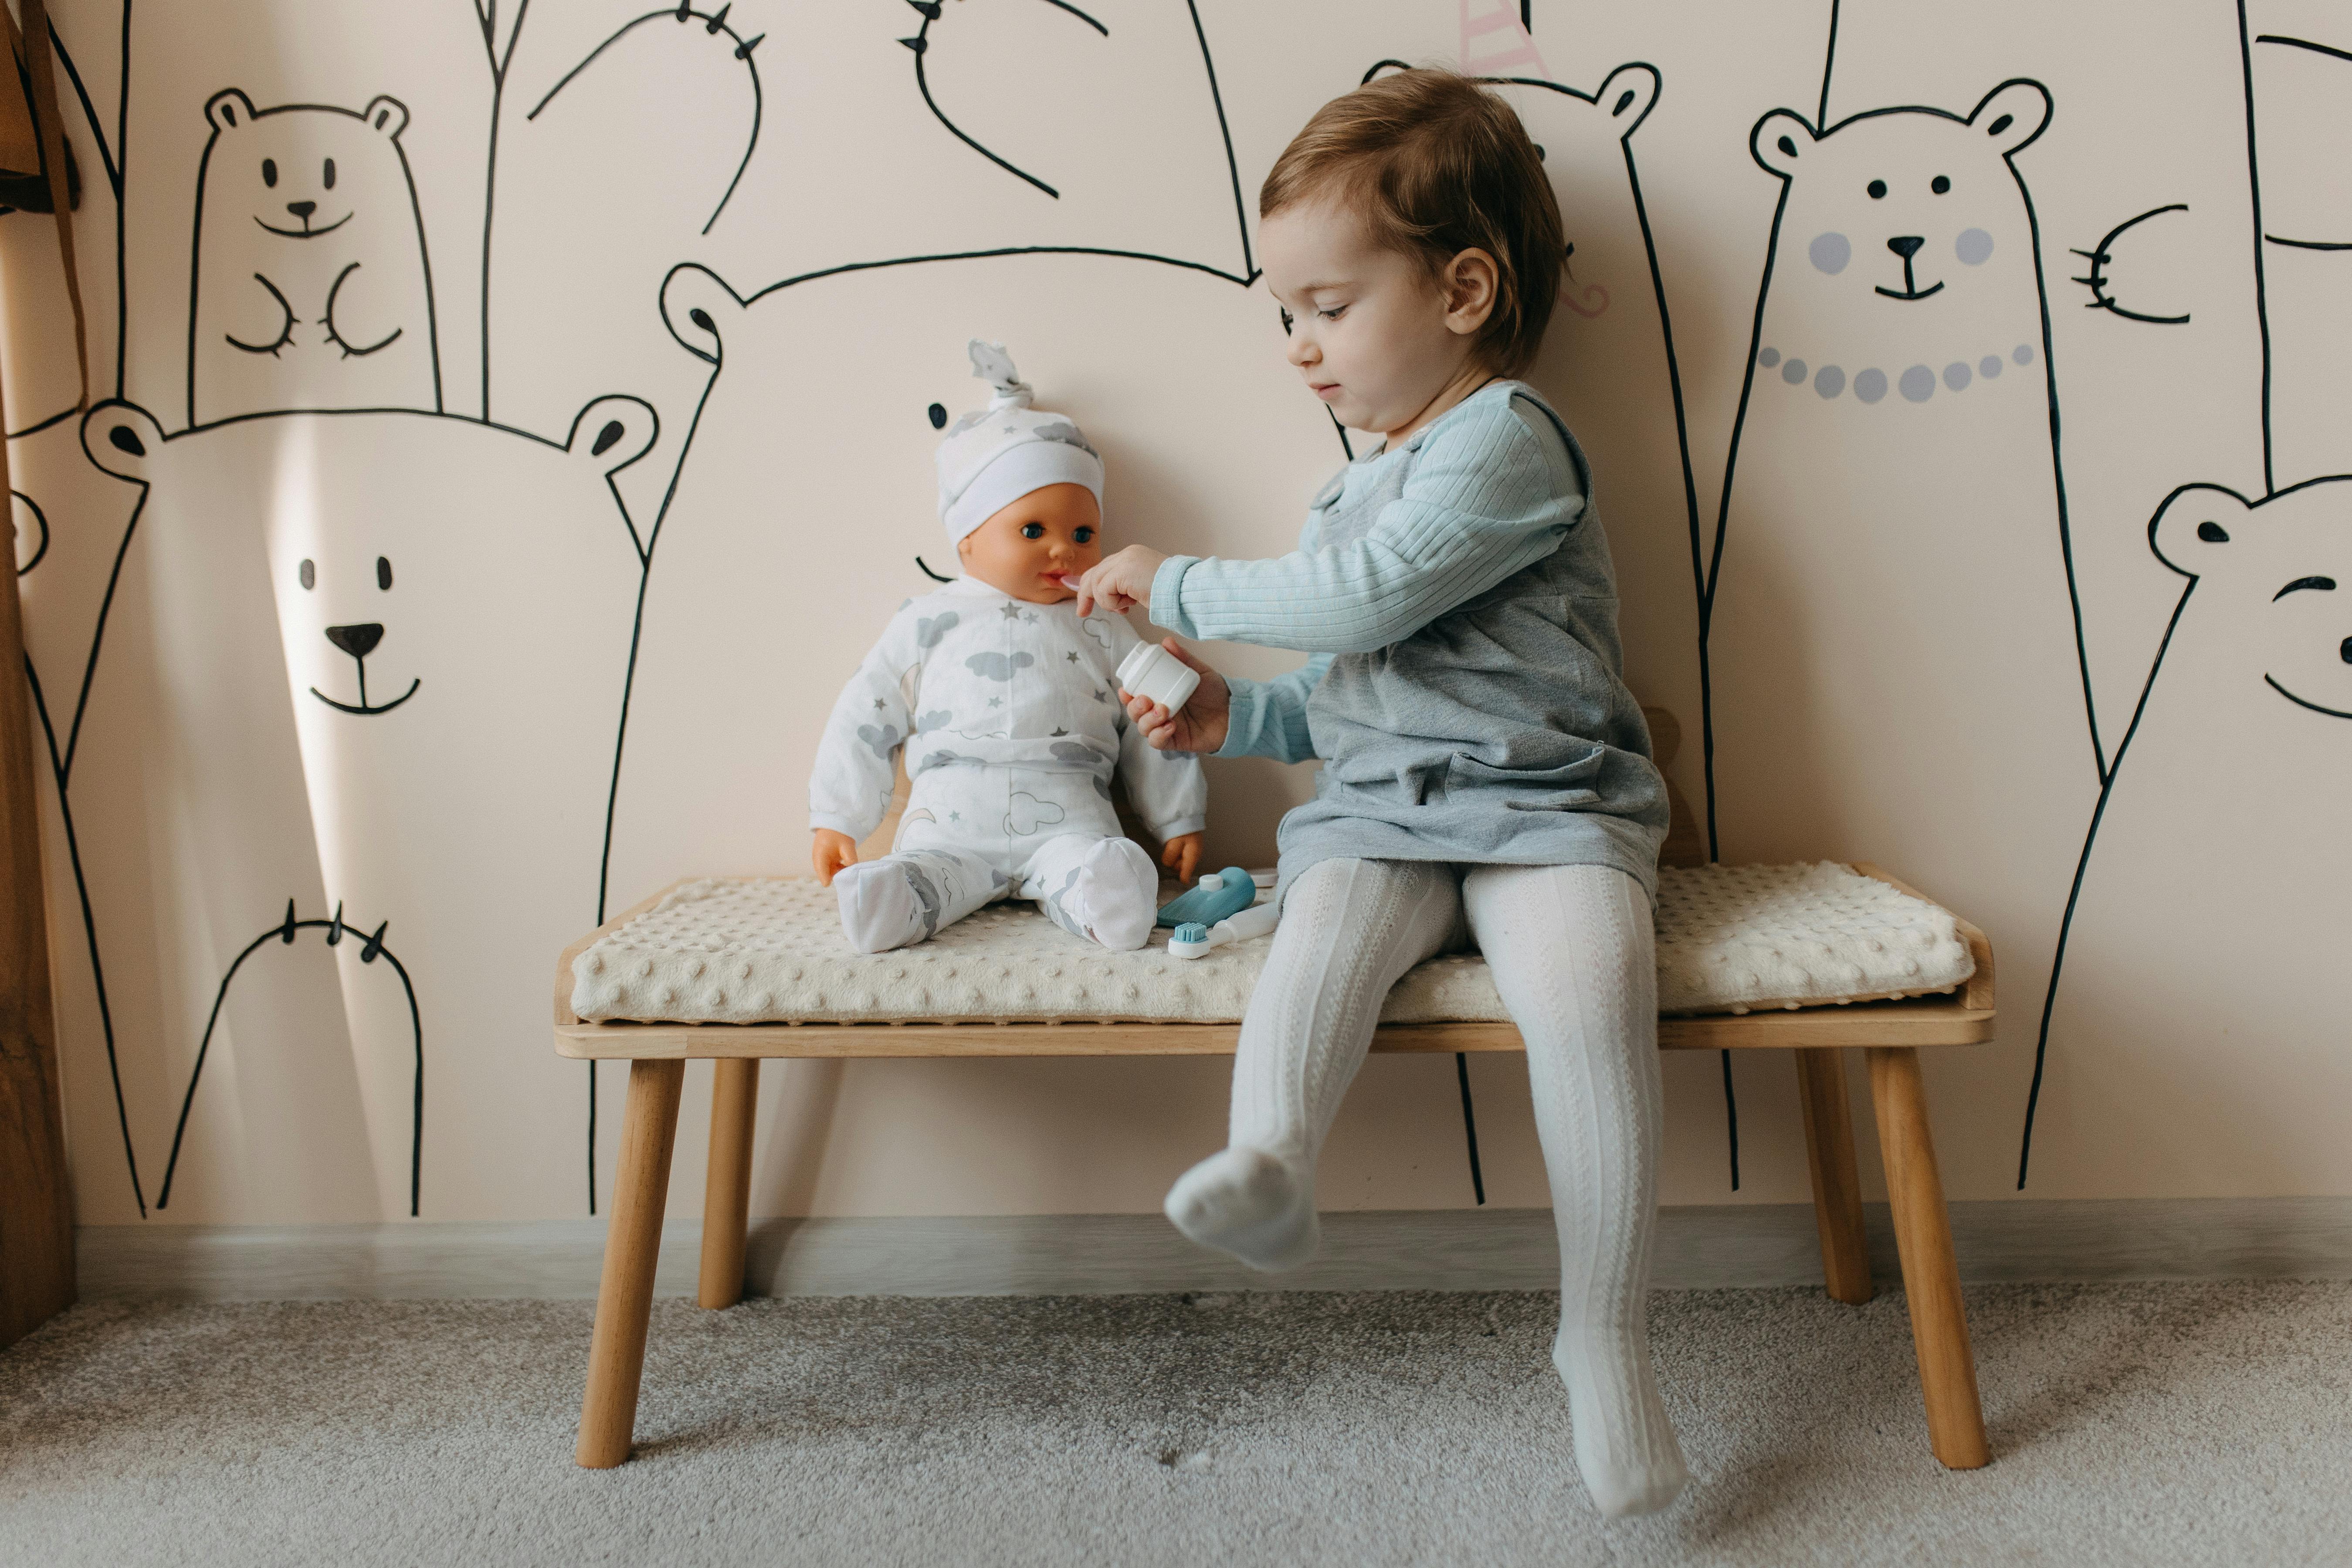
(1084, 536)
(1033, 530)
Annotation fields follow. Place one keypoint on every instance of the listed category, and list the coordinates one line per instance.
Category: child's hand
(1181, 855)
(1122, 581)
(830, 852)
(1202, 723)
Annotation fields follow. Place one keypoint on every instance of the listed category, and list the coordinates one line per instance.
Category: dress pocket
(1568, 786)
(1392, 777)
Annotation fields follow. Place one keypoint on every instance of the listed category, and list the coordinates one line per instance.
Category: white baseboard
(1730, 1245)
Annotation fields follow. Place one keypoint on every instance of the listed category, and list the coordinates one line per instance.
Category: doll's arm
(1167, 789)
(850, 790)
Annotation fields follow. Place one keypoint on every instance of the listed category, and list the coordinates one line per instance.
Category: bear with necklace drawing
(1891, 636)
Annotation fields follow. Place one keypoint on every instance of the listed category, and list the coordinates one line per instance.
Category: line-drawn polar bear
(1891, 636)
(310, 287)
(379, 657)
(2212, 923)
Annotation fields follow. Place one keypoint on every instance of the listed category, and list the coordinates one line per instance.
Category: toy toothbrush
(1193, 940)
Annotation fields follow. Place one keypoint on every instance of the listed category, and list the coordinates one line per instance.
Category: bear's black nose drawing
(304, 209)
(359, 641)
(1906, 246)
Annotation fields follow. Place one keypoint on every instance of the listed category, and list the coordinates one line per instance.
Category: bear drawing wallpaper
(508, 425)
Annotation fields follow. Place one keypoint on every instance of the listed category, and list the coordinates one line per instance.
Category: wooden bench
(1890, 1034)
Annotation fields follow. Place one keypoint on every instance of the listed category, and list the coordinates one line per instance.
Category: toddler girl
(1484, 766)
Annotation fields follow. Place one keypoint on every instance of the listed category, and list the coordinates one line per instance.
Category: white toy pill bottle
(1150, 670)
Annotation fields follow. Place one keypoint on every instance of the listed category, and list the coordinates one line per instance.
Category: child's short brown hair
(1438, 166)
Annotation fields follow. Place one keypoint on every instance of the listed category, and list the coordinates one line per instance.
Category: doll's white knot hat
(994, 455)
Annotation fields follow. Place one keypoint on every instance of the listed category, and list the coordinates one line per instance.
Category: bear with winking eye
(311, 288)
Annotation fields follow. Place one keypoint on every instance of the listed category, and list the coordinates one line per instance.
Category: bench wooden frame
(1889, 1034)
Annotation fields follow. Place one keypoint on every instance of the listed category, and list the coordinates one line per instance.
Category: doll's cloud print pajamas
(1010, 721)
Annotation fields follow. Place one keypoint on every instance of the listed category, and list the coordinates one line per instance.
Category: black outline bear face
(358, 639)
(1900, 204)
(607, 435)
(2277, 576)
(281, 180)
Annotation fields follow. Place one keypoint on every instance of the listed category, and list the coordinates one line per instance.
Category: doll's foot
(879, 909)
(1251, 1203)
(1625, 1445)
(1118, 894)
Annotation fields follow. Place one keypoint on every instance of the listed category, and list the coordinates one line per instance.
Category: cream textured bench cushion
(1730, 939)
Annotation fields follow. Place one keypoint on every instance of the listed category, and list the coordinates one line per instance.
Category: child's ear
(1470, 283)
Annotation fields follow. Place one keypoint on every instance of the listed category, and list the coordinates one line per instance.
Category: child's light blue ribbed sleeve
(1483, 502)
(1269, 717)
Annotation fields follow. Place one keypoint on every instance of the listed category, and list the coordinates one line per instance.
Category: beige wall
(1896, 675)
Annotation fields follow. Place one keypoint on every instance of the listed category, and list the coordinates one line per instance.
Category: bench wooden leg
(1837, 1184)
(1931, 1275)
(624, 1299)
(727, 1190)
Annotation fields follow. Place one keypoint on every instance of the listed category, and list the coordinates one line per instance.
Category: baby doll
(1007, 700)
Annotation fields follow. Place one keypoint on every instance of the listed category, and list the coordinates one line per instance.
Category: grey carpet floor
(2147, 1423)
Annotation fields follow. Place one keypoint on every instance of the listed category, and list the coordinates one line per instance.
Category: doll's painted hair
(1435, 164)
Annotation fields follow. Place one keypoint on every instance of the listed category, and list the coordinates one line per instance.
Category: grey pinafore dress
(1502, 732)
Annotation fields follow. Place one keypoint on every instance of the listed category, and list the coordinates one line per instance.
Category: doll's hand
(1181, 855)
(830, 852)
(1122, 581)
(1204, 719)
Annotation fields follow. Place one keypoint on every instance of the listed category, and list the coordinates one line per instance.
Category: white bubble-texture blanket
(1730, 939)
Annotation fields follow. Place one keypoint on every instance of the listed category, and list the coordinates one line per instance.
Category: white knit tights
(1572, 951)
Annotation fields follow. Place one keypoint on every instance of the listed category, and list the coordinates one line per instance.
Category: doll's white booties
(1118, 894)
(1625, 1444)
(1250, 1203)
(879, 909)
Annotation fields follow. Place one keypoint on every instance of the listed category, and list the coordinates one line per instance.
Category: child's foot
(1625, 1444)
(880, 905)
(1249, 1202)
